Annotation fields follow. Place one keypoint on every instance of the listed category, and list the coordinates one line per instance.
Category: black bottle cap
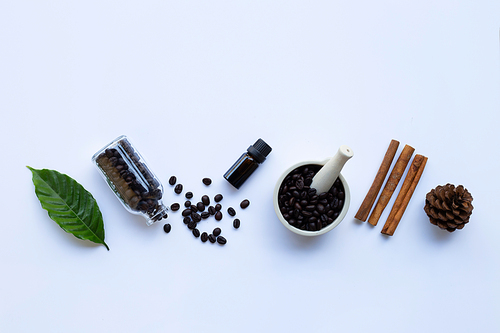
(259, 150)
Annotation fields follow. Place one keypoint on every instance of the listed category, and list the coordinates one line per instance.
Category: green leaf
(69, 204)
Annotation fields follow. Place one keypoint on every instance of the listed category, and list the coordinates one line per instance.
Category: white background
(193, 84)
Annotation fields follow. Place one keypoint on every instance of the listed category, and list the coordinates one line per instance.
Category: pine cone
(449, 207)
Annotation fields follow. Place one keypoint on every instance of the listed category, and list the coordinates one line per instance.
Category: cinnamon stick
(367, 204)
(402, 203)
(391, 184)
(417, 161)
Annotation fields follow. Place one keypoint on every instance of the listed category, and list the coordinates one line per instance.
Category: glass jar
(130, 178)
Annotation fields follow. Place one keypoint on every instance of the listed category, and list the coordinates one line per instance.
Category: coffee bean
(191, 225)
(167, 227)
(218, 207)
(204, 237)
(196, 233)
(218, 197)
(206, 200)
(186, 212)
(231, 211)
(189, 195)
(178, 188)
(186, 220)
(187, 204)
(205, 215)
(200, 206)
(245, 203)
(218, 215)
(172, 180)
(194, 209)
(236, 223)
(212, 238)
(211, 210)
(196, 217)
(216, 232)
(207, 181)
(175, 206)
(221, 240)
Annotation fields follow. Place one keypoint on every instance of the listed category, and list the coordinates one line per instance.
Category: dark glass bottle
(247, 163)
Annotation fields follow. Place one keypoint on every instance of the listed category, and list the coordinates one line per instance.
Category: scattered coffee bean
(207, 181)
(218, 197)
(189, 195)
(211, 210)
(194, 209)
(167, 227)
(196, 233)
(186, 220)
(200, 206)
(187, 204)
(186, 212)
(245, 203)
(206, 200)
(231, 211)
(216, 232)
(212, 238)
(236, 223)
(178, 188)
(196, 217)
(175, 206)
(172, 180)
(218, 207)
(218, 215)
(221, 240)
(204, 237)
(191, 225)
(205, 215)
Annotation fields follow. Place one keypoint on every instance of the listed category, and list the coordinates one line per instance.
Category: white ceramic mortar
(332, 225)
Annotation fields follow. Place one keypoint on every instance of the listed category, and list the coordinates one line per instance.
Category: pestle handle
(327, 175)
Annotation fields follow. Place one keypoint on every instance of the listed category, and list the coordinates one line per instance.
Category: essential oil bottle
(247, 163)
(130, 178)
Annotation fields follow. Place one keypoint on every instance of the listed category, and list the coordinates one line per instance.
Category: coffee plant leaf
(69, 204)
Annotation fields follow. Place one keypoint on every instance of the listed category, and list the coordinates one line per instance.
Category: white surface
(193, 84)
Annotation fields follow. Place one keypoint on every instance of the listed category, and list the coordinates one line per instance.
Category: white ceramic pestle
(327, 175)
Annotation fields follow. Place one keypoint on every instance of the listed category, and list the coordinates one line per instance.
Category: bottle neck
(159, 213)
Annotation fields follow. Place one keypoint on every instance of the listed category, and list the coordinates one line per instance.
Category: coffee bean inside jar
(131, 180)
(302, 207)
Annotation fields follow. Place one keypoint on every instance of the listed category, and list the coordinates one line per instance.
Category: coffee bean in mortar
(218, 197)
(172, 180)
(175, 206)
(207, 181)
(206, 200)
(189, 195)
(216, 232)
(212, 238)
(236, 223)
(167, 227)
(204, 237)
(218, 215)
(221, 240)
(231, 211)
(178, 188)
(196, 233)
(302, 207)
